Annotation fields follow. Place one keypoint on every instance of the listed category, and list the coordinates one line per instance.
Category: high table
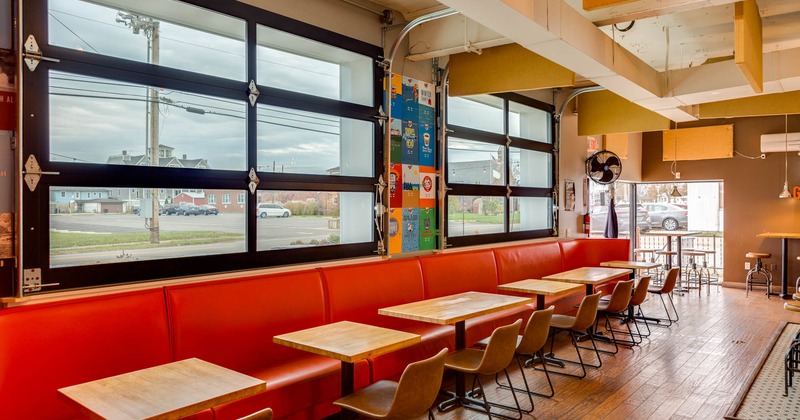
(784, 237)
(455, 310)
(669, 234)
(633, 265)
(589, 276)
(348, 342)
(172, 390)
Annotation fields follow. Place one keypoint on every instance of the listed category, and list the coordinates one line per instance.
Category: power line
(73, 32)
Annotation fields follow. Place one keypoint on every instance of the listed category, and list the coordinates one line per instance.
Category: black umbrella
(612, 228)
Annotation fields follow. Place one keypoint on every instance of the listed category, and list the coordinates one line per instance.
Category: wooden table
(455, 310)
(167, 391)
(348, 342)
(669, 234)
(589, 276)
(784, 237)
(540, 288)
(633, 265)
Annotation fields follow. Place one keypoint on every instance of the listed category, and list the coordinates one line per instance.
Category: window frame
(35, 104)
(501, 139)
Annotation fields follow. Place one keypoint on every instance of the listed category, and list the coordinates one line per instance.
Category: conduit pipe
(389, 60)
(557, 145)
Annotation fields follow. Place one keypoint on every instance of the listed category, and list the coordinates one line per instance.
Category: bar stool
(797, 286)
(647, 255)
(758, 269)
(667, 264)
(692, 270)
(715, 276)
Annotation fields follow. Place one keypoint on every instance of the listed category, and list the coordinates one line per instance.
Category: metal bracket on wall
(33, 55)
(253, 181)
(253, 93)
(33, 172)
(32, 281)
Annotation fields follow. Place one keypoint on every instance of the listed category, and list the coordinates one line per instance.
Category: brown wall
(751, 188)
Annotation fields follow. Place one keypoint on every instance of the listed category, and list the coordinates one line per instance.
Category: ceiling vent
(771, 143)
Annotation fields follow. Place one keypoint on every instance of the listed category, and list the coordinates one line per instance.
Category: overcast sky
(92, 119)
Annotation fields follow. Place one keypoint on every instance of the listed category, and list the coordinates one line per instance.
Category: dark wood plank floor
(693, 369)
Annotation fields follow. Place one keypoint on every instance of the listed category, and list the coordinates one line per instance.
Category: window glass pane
(530, 168)
(531, 213)
(528, 122)
(469, 215)
(472, 162)
(481, 112)
(170, 33)
(293, 141)
(290, 62)
(297, 219)
(104, 121)
(108, 225)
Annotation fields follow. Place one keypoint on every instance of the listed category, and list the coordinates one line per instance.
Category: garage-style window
(172, 124)
(499, 167)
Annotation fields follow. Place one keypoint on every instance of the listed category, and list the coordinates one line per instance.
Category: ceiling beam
(599, 4)
(748, 43)
(644, 9)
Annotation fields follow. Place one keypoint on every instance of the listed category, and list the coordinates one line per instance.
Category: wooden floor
(693, 369)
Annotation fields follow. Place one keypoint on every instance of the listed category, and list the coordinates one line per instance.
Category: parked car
(188, 209)
(667, 215)
(599, 216)
(208, 209)
(272, 210)
(170, 209)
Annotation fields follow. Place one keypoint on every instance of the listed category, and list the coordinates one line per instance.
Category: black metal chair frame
(574, 339)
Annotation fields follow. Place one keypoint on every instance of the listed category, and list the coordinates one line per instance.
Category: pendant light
(674, 167)
(785, 193)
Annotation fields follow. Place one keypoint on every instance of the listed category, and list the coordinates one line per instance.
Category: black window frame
(35, 123)
(501, 139)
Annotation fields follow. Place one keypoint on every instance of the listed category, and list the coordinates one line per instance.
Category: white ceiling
(675, 35)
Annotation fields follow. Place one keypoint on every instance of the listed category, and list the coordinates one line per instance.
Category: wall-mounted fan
(603, 167)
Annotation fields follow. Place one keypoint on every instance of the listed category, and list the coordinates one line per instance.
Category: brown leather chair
(414, 394)
(617, 306)
(581, 323)
(531, 344)
(530, 347)
(666, 289)
(495, 358)
(265, 414)
(635, 313)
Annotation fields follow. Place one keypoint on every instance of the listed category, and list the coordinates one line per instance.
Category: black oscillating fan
(603, 167)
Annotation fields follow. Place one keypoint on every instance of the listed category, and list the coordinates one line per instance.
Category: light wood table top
(451, 309)
(171, 391)
(347, 341)
(588, 275)
(788, 235)
(670, 233)
(634, 265)
(540, 287)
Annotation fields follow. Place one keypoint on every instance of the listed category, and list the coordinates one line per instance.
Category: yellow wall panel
(617, 143)
(714, 142)
(507, 68)
(772, 104)
(604, 112)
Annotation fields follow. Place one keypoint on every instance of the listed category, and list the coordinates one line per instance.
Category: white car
(272, 210)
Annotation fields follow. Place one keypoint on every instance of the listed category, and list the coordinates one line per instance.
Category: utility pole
(151, 30)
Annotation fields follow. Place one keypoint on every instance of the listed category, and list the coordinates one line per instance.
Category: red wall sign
(8, 111)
